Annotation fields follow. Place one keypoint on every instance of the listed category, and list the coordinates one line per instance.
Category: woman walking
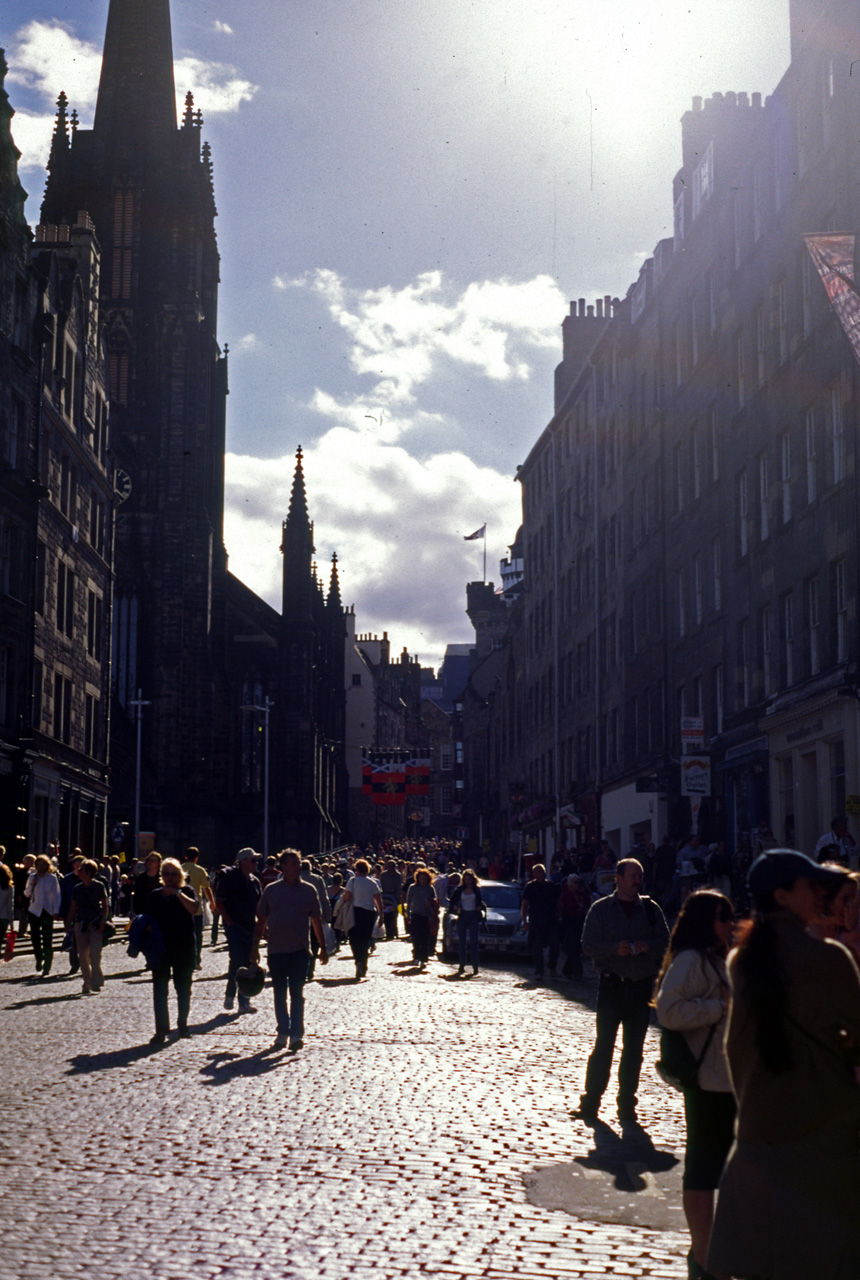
(43, 906)
(467, 901)
(173, 907)
(422, 910)
(789, 1194)
(692, 997)
(87, 915)
(366, 898)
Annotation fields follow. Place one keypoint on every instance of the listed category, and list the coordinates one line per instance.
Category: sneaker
(229, 1001)
(280, 1042)
(296, 1044)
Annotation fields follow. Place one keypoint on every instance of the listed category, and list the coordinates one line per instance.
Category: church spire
(60, 140)
(137, 99)
(300, 579)
(334, 601)
(297, 519)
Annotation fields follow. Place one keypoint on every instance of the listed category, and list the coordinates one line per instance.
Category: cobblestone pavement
(423, 1131)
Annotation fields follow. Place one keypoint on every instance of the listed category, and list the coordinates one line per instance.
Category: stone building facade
(56, 530)
(690, 512)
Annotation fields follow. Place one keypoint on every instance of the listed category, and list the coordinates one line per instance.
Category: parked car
(502, 930)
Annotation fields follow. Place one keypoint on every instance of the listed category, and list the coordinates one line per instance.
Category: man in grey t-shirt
(286, 909)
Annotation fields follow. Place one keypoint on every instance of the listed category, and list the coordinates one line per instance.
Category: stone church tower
(183, 626)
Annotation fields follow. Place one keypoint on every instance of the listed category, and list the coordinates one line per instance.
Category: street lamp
(264, 711)
(138, 705)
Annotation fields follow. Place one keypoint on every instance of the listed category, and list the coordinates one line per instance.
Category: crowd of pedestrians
(756, 986)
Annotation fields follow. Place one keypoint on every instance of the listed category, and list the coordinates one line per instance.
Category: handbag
(677, 1065)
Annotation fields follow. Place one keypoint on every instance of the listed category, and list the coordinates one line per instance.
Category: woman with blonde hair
(43, 907)
(87, 916)
(173, 906)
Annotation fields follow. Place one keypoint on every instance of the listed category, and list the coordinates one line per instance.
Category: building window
(703, 181)
(837, 434)
(811, 460)
(65, 599)
(444, 800)
(814, 627)
(696, 697)
(788, 637)
(841, 599)
(764, 507)
(90, 726)
(446, 756)
(682, 611)
(760, 346)
(766, 667)
(785, 475)
(38, 694)
(356, 679)
(94, 624)
(782, 320)
(717, 567)
(62, 708)
(718, 697)
(123, 231)
(697, 588)
(743, 513)
(744, 656)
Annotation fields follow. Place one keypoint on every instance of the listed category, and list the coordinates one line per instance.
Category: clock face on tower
(122, 485)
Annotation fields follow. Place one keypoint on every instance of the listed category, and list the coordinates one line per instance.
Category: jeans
(288, 970)
(359, 938)
(42, 932)
(467, 932)
(626, 1005)
(89, 946)
(182, 986)
(389, 919)
(198, 938)
(239, 947)
(571, 931)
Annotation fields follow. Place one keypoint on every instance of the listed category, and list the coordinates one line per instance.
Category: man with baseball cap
(238, 894)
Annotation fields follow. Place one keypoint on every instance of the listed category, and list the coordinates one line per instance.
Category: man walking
(626, 936)
(238, 895)
(539, 911)
(286, 909)
(198, 878)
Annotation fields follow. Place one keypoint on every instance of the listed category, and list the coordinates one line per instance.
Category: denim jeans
(467, 932)
(626, 1005)
(182, 986)
(289, 970)
(239, 947)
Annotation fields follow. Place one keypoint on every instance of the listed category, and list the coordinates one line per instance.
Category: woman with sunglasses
(692, 997)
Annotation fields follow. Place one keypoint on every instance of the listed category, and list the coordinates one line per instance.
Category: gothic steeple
(137, 99)
(60, 141)
(334, 602)
(298, 549)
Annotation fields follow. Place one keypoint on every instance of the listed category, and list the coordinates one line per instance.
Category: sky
(409, 196)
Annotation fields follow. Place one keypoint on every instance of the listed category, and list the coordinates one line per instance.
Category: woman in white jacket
(692, 996)
(43, 906)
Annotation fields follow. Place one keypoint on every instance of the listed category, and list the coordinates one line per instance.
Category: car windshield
(504, 897)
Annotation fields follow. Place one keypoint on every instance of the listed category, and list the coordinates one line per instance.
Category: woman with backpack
(692, 998)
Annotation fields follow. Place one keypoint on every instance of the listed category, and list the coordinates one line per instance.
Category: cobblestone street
(423, 1131)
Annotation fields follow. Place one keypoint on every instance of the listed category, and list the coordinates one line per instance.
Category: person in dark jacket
(145, 884)
(467, 902)
(173, 907)
(237, 897)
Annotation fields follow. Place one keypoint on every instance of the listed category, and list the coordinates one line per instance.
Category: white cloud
(216, 87)
(32, 135)
(401, 336)
(48, 57)
(248, 342)
(397, 520)
(223, 27)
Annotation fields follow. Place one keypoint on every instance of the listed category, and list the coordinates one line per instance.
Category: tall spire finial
(60, 140)
(334, 601)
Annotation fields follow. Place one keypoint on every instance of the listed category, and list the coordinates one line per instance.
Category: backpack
(677, 1065)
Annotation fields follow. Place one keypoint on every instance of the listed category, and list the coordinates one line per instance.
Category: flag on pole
(833, 255)
(418, 776)
(479, 533)
(384, 779)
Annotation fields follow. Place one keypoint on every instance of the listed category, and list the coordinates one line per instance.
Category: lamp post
(264, 711)
(138, 705)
